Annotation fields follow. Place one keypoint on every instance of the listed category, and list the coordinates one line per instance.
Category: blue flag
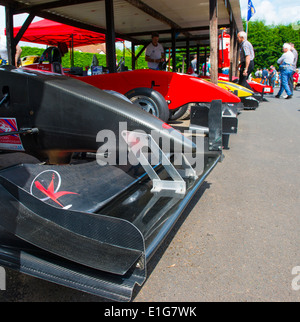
(251, 10)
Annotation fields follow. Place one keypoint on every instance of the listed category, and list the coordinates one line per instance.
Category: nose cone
(166, 137)
(70, 114)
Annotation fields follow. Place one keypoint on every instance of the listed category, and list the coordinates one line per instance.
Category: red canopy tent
(49, 32)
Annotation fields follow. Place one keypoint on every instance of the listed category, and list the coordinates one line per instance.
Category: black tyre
(187, 114)
(179, 113)
(150, 101)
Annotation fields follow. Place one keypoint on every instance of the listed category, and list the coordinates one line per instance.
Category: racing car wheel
(150, 101)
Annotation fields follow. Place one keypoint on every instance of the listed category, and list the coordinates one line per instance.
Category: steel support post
(110, 37)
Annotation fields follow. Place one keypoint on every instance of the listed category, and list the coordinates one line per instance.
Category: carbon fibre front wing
(95, 227)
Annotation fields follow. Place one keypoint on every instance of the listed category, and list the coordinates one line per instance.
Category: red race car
(160, 92)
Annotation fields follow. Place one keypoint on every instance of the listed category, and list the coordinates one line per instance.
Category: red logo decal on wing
(50, 191)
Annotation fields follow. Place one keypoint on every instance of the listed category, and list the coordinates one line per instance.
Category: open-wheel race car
(91, 224)
(246, 95)
(175, 89)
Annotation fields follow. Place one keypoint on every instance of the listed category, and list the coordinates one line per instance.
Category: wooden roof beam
(191, 29)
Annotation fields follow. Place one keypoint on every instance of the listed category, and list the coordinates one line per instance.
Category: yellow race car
(245, 94)
(28, 60)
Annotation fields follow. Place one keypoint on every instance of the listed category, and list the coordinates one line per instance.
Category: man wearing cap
(285, 63)
(154, 52)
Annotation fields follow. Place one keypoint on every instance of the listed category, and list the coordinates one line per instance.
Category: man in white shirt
(194, 64)
(295, 53)
(285, 63)
(154, 52)
(4, 53)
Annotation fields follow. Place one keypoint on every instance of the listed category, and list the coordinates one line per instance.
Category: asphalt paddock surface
(238, 239)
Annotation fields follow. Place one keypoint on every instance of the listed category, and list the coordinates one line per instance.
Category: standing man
(295, 53)
(272, 76)
(265, 75)
(246, 58)
(194, 64)
(155, 53)
(285, 63)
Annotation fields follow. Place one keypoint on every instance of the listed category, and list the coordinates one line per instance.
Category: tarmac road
(239, 239)
(241, 236)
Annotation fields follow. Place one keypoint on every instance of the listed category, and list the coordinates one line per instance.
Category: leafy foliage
(85, 59)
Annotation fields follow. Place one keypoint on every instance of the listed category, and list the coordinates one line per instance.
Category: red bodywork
(177, 89)
(259, 88)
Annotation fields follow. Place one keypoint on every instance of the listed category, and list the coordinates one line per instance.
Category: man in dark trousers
(265, 75)
(246, 58)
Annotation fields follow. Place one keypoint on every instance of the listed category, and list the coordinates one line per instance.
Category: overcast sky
(271, 11)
